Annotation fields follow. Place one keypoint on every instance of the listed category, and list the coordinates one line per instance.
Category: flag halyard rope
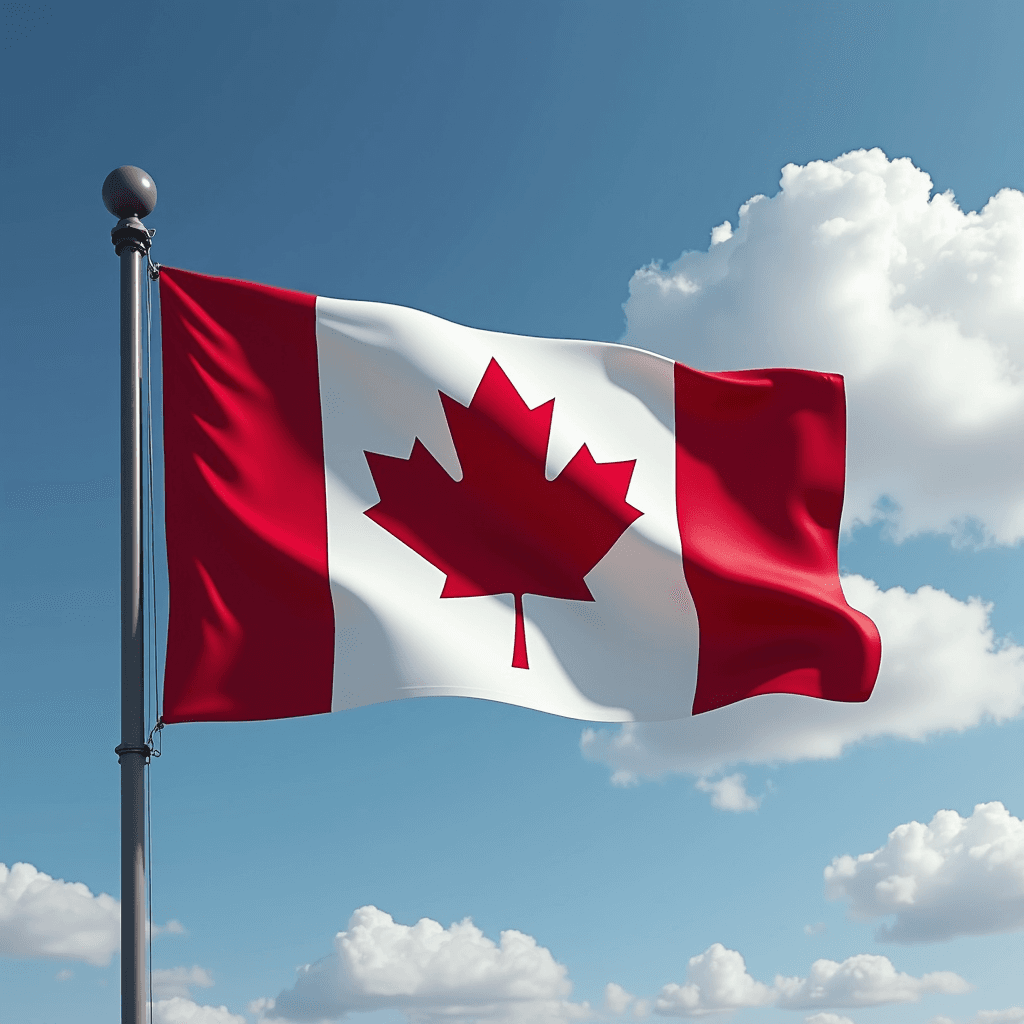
(152, 692)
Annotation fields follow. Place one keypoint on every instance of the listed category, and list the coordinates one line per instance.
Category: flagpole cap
(129, 192)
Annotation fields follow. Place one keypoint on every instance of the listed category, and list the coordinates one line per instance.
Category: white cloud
(717, 981)
(617, 1001)
(42, 916)
(178, 1010)
(942, 669)
(721, 233)
(616, 998)
(261, 1007)
(861, 980)
(827, 1018)
(814, 929)
(729, 793)
(45, 917)
(953, 876)
(432, 974)
(855, 267)
(171, 928)
(169, 982)
(65, 975)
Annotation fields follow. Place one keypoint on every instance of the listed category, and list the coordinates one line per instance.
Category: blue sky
(512, 167)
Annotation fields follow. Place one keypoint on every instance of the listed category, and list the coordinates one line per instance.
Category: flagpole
(130, 194)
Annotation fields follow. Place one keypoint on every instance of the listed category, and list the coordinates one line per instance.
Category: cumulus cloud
(729, 793)
(261, 1007)
(616, 998)
(169, 982)
(617, 1001)
(42, 916)
(861, 980)
(432, 974)
(179, 1010)
(718, 981)
(953, 876)
(45, 917)
(856, 267)
(942, 669)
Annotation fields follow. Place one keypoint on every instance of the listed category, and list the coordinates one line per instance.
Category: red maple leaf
(504, 528)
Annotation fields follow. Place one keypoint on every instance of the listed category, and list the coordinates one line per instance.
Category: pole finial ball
(129, 192)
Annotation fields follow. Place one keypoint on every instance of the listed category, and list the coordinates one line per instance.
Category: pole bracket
(130, 748)
(129, 233)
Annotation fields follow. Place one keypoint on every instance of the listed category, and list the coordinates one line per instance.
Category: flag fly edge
(760, 477)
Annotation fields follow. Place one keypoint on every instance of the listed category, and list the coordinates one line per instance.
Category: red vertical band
(760, 472)
(251, 626)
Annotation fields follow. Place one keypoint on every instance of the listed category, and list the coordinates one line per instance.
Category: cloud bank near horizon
(433, 974)
(717, 981)
(182, 1010)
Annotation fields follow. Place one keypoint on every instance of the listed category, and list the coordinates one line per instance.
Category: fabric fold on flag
(366, 503)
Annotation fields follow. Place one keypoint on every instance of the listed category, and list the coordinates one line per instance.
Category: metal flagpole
(130, 194)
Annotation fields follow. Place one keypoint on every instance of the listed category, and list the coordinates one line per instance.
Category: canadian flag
(365, 502)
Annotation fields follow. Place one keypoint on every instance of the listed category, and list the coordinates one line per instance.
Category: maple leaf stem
(519, 659)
